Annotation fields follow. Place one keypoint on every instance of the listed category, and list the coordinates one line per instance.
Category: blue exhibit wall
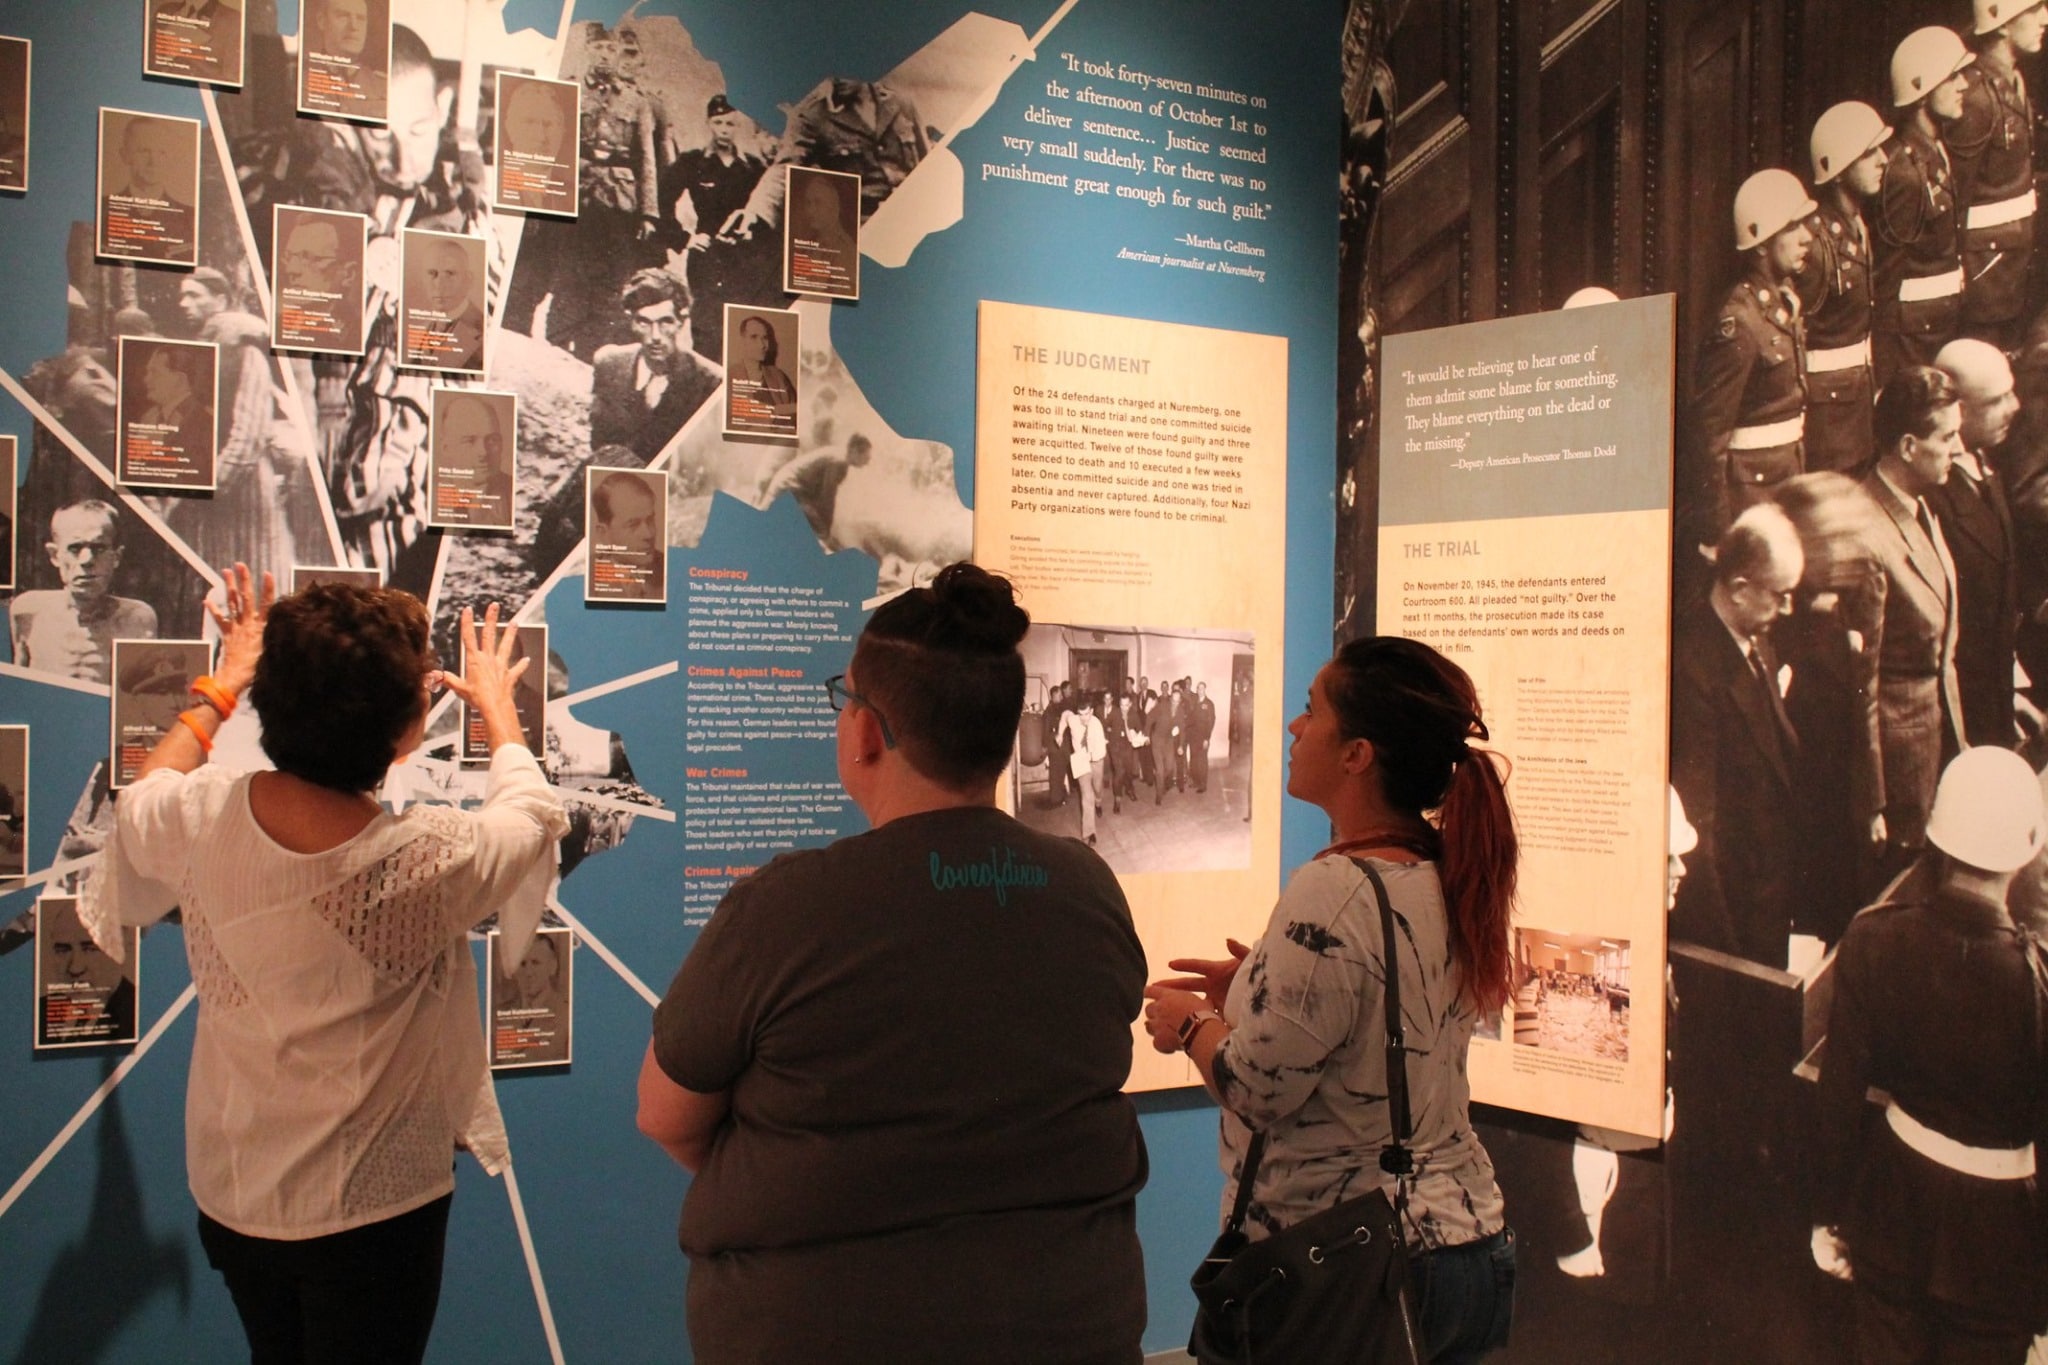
(98, 1256)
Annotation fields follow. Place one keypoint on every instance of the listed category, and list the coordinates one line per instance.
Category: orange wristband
(205, 740)
(214, 695)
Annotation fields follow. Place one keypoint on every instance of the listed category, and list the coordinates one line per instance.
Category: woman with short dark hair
(896, 1063)
(339, 1061)
(1291, 1035)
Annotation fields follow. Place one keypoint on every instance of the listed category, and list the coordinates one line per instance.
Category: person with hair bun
(338, 1063)
(895, 1063)
(1290, 1034)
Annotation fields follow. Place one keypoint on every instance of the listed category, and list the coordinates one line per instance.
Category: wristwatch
(1192, 1025)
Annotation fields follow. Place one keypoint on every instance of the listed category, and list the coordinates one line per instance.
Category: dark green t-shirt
(925, 1031)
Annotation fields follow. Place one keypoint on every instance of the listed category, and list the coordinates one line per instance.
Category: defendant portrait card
(169, 392)
(760, 397)
(625, 518)
(148, 188)
(441, 302)
(529, 695)
(195, 40)
(152, 684)
(316, 280)
(531, 1003)
(84, 998)
(472, 437)
(345, 59)
(821, 233)
(537, 144)
(13, 801)
(14, 108)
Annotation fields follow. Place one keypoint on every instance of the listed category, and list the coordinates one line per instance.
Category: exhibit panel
(418, 382)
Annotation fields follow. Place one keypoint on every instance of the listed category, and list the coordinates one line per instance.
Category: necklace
(1422, 846)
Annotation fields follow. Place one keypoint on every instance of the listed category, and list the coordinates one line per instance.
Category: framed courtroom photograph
(167, 395)
(536, 144)
(152, 684)
(345, 59)
(472, 438)
(529, 696)
(84, 997)
(531, 1002)
(13, 801)
(316, 280)
(760, 395)
(821, 233)
(306, 575)
(195, 40)
(15, 61)
(148, 196)
(625, 522)
(441, 302)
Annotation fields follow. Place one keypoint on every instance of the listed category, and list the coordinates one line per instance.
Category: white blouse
(339, 1057)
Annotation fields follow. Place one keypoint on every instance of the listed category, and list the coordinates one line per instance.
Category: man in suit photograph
(150, 181)
(1976, 521)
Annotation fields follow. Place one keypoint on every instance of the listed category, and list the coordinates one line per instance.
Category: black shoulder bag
(1333, 1286)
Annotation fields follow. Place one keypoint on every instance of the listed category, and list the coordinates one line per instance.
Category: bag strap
(1252, 1153)
(1396, 1158)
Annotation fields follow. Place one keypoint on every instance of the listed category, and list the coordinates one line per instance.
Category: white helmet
(1844, 134)
(1924, 59)
(1993, 15)
(1594, 294)
(1987, 810)
(1768, 203)
(1681, 838)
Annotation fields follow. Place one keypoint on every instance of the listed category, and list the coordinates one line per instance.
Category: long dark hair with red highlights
(1420, 713)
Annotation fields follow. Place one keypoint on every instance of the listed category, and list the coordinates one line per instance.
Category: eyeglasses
(838, 693)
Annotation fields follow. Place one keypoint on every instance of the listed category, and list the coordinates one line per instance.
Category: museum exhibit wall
(690, 733)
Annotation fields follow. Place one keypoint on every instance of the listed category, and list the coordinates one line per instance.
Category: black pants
(362, 1297)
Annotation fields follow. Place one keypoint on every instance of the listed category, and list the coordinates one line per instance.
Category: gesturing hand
(1212, 976)
(241, 626)
(489, 675)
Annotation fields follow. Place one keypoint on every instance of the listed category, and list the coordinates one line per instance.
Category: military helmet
(1993, 15)
(1842, 135)
(1987, 810)
(1768, 203)
(1924, 59)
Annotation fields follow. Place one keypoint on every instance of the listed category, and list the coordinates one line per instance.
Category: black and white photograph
(531, 1003)
(13, 800)
(537, 135)
(1572, 993)
(195, 40)
(345, 59)
(317, 280)
(760, 396)
(84, 997)
(16, 64)
(626, 513)
(821, 233)
(470, 459)
(529, 695)
(10, 490)
(169, 393)
(1138, 741)
(442, 303)
(152, 684)
(148, 188)
(306, 575)
(76, 594)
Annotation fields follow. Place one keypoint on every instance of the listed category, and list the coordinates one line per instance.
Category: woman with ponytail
(1290, 1034)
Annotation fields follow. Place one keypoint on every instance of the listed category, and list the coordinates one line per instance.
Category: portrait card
(441, 302)
(316, 280)
(529, 695)
(148, 200)
(10, 469)
(472, 444)
(195, 40)
(84, 998)
(531, 1003)
(625, 521)
(152, 684)
(13, 801)
(821, 233)
(306, 575)
(760, 393)
(537, 144)
(345, 59)
(168, 393)
(15, 61)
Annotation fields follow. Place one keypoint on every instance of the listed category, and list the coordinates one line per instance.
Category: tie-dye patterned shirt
(1306, 1058)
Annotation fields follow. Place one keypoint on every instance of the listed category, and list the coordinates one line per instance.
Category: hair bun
(978, 609)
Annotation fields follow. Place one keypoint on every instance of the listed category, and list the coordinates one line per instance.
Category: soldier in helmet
(1993, 147)
(1748, 414)
(1848, 170)
(1918, 221)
